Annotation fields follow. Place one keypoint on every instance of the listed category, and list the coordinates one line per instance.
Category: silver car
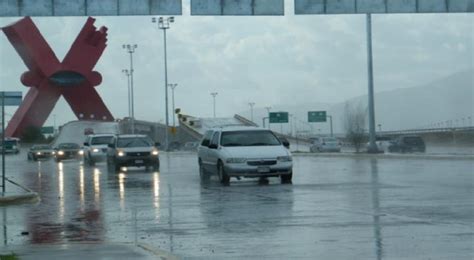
(325, 144)
(95, 148)
(249, 152)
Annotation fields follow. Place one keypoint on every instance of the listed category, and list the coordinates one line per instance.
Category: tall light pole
(130, 48)
(214, 94)
(127, 73)
(164, 24)
(372, 146)
(173, 86)
(251, 104)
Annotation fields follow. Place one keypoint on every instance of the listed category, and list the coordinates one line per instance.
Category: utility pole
(268, 115)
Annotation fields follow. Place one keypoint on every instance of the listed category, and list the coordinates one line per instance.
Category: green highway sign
(10, 98)
(47, 130)
(316, 116)
(278, 117)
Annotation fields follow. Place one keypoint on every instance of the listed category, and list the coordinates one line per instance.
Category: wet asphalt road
(336, 208)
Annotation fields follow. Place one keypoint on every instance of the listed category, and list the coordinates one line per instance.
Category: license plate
(138, 161)
(263, 169)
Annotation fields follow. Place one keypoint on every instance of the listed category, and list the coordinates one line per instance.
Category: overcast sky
(271, 61)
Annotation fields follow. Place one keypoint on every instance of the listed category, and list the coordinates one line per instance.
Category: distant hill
(448, 98)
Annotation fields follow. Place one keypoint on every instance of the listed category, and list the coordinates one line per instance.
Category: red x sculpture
(49, 79)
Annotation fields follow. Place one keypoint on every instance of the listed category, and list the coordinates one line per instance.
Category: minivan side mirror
(213, 146)
(157, 144)
(286, 144)
(86, 144)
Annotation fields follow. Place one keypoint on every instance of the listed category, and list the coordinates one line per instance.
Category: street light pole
(164, 24)
(127, 73)
(131, 49)
(173, 86)
(214, 94)
(251, 104)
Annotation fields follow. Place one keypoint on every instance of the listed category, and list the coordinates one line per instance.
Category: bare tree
(355, 117)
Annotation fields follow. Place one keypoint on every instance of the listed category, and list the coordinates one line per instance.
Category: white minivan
(249, 152)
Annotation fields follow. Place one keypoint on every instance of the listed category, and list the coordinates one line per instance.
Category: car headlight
(95, 150)
(236, 160)
(155, 152)
(120, 154)
(60, 153)
(81, 152)
(38, 153)
(284, 159)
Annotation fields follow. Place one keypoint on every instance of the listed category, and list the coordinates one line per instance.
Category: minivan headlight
(284, 159)
(120, 154)
(236, 160)
(95, 150)
(155, 152)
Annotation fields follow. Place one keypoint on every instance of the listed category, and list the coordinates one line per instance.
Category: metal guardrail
(428, 130)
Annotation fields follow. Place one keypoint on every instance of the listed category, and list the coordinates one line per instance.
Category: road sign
(278, 117)
(316, 116)
(47, 130)
(7, 98)
(10, 98)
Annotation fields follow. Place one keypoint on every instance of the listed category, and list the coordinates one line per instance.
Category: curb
(387, 156)
(161, 254)
(31, 197)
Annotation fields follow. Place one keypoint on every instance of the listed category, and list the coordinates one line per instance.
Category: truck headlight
(120, 154)
(155, 152)
(236, 160)
(284, 159)
(95, 150)
(60, 153)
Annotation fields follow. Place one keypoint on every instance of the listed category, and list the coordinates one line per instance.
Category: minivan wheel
(223, 177)
(286, 178)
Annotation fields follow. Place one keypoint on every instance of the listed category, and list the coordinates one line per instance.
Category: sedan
(66, 151)
(40, 152)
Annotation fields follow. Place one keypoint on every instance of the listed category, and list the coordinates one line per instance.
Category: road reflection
(375, 186)
(67, 211)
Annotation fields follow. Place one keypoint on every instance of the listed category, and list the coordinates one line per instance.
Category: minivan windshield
(101, 140)
(249, 138)
(134, 142)
(329, 139)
